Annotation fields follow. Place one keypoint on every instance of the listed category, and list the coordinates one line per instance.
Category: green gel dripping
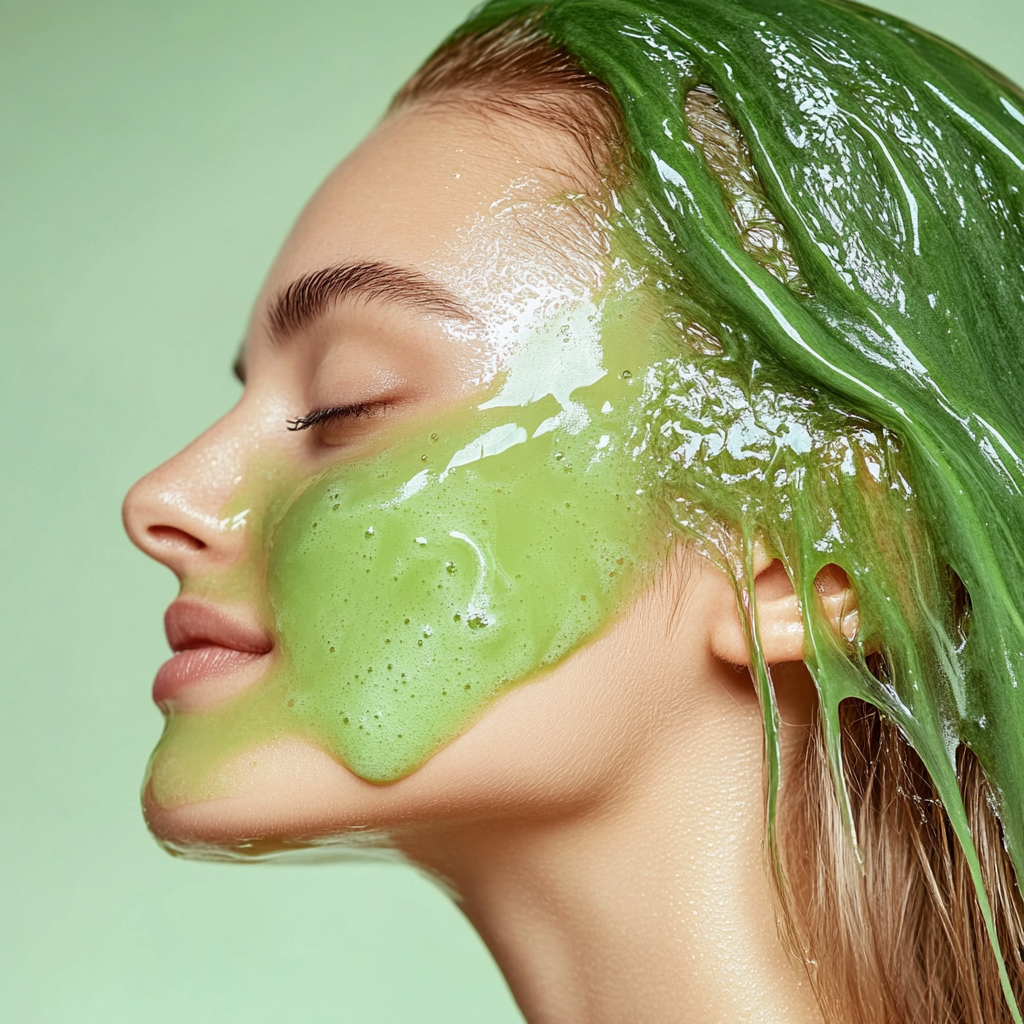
(849, 278)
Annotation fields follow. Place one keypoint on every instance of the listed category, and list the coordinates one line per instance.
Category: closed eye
(338, 414)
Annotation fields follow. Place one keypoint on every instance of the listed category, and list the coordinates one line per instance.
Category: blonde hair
(898, 938)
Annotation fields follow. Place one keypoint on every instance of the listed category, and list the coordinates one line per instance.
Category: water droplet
(626, 374)
(433, 437)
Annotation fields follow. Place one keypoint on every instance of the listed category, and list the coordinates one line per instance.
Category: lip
(216, 654)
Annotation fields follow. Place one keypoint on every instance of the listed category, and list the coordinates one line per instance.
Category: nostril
(170, 536)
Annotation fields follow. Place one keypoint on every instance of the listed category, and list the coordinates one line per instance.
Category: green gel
(411, 588)
(409, 597)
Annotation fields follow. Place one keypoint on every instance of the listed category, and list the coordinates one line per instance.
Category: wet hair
(828, 203)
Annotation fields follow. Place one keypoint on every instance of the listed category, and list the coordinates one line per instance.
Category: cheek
(408, 597)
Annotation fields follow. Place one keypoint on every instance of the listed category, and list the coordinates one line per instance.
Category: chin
(272, 799)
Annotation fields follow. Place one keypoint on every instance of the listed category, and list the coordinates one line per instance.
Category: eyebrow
(301, 303)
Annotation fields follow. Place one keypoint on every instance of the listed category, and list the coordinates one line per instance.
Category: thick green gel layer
(411, 588)
(407, 599)
(849, 391)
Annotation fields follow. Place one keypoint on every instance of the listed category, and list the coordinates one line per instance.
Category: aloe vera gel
(846, 263)
(411, 588)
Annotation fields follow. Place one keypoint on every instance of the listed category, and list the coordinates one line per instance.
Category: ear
(780, 622)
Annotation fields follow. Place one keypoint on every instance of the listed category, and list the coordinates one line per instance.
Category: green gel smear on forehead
(412, 588)
(849, 384)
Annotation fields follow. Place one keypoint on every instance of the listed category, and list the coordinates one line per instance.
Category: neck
(651, 905)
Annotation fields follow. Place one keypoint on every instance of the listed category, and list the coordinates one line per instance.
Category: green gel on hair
(857, 262)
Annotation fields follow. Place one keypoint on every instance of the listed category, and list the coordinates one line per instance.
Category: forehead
(430, 188)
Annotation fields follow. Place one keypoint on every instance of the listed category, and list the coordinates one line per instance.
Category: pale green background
(152, 156)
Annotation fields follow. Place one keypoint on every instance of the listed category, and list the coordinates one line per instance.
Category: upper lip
(190, 625)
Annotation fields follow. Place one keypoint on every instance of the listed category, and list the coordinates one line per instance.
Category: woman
(644, 350)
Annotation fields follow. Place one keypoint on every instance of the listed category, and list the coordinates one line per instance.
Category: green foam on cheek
(412, 588)
(403, 617)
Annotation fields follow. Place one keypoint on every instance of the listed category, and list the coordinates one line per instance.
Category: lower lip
(186, 669)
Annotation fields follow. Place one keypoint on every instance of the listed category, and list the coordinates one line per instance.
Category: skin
(602, 826)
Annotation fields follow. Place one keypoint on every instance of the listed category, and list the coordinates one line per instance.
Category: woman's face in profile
(427, 493)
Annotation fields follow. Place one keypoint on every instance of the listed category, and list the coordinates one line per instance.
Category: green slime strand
(865, 406)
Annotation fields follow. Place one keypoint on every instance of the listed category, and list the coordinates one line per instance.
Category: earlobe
(779, 618)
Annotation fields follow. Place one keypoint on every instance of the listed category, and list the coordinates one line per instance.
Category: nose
(175, 513)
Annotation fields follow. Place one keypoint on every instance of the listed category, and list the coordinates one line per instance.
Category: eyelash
(333, 414)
